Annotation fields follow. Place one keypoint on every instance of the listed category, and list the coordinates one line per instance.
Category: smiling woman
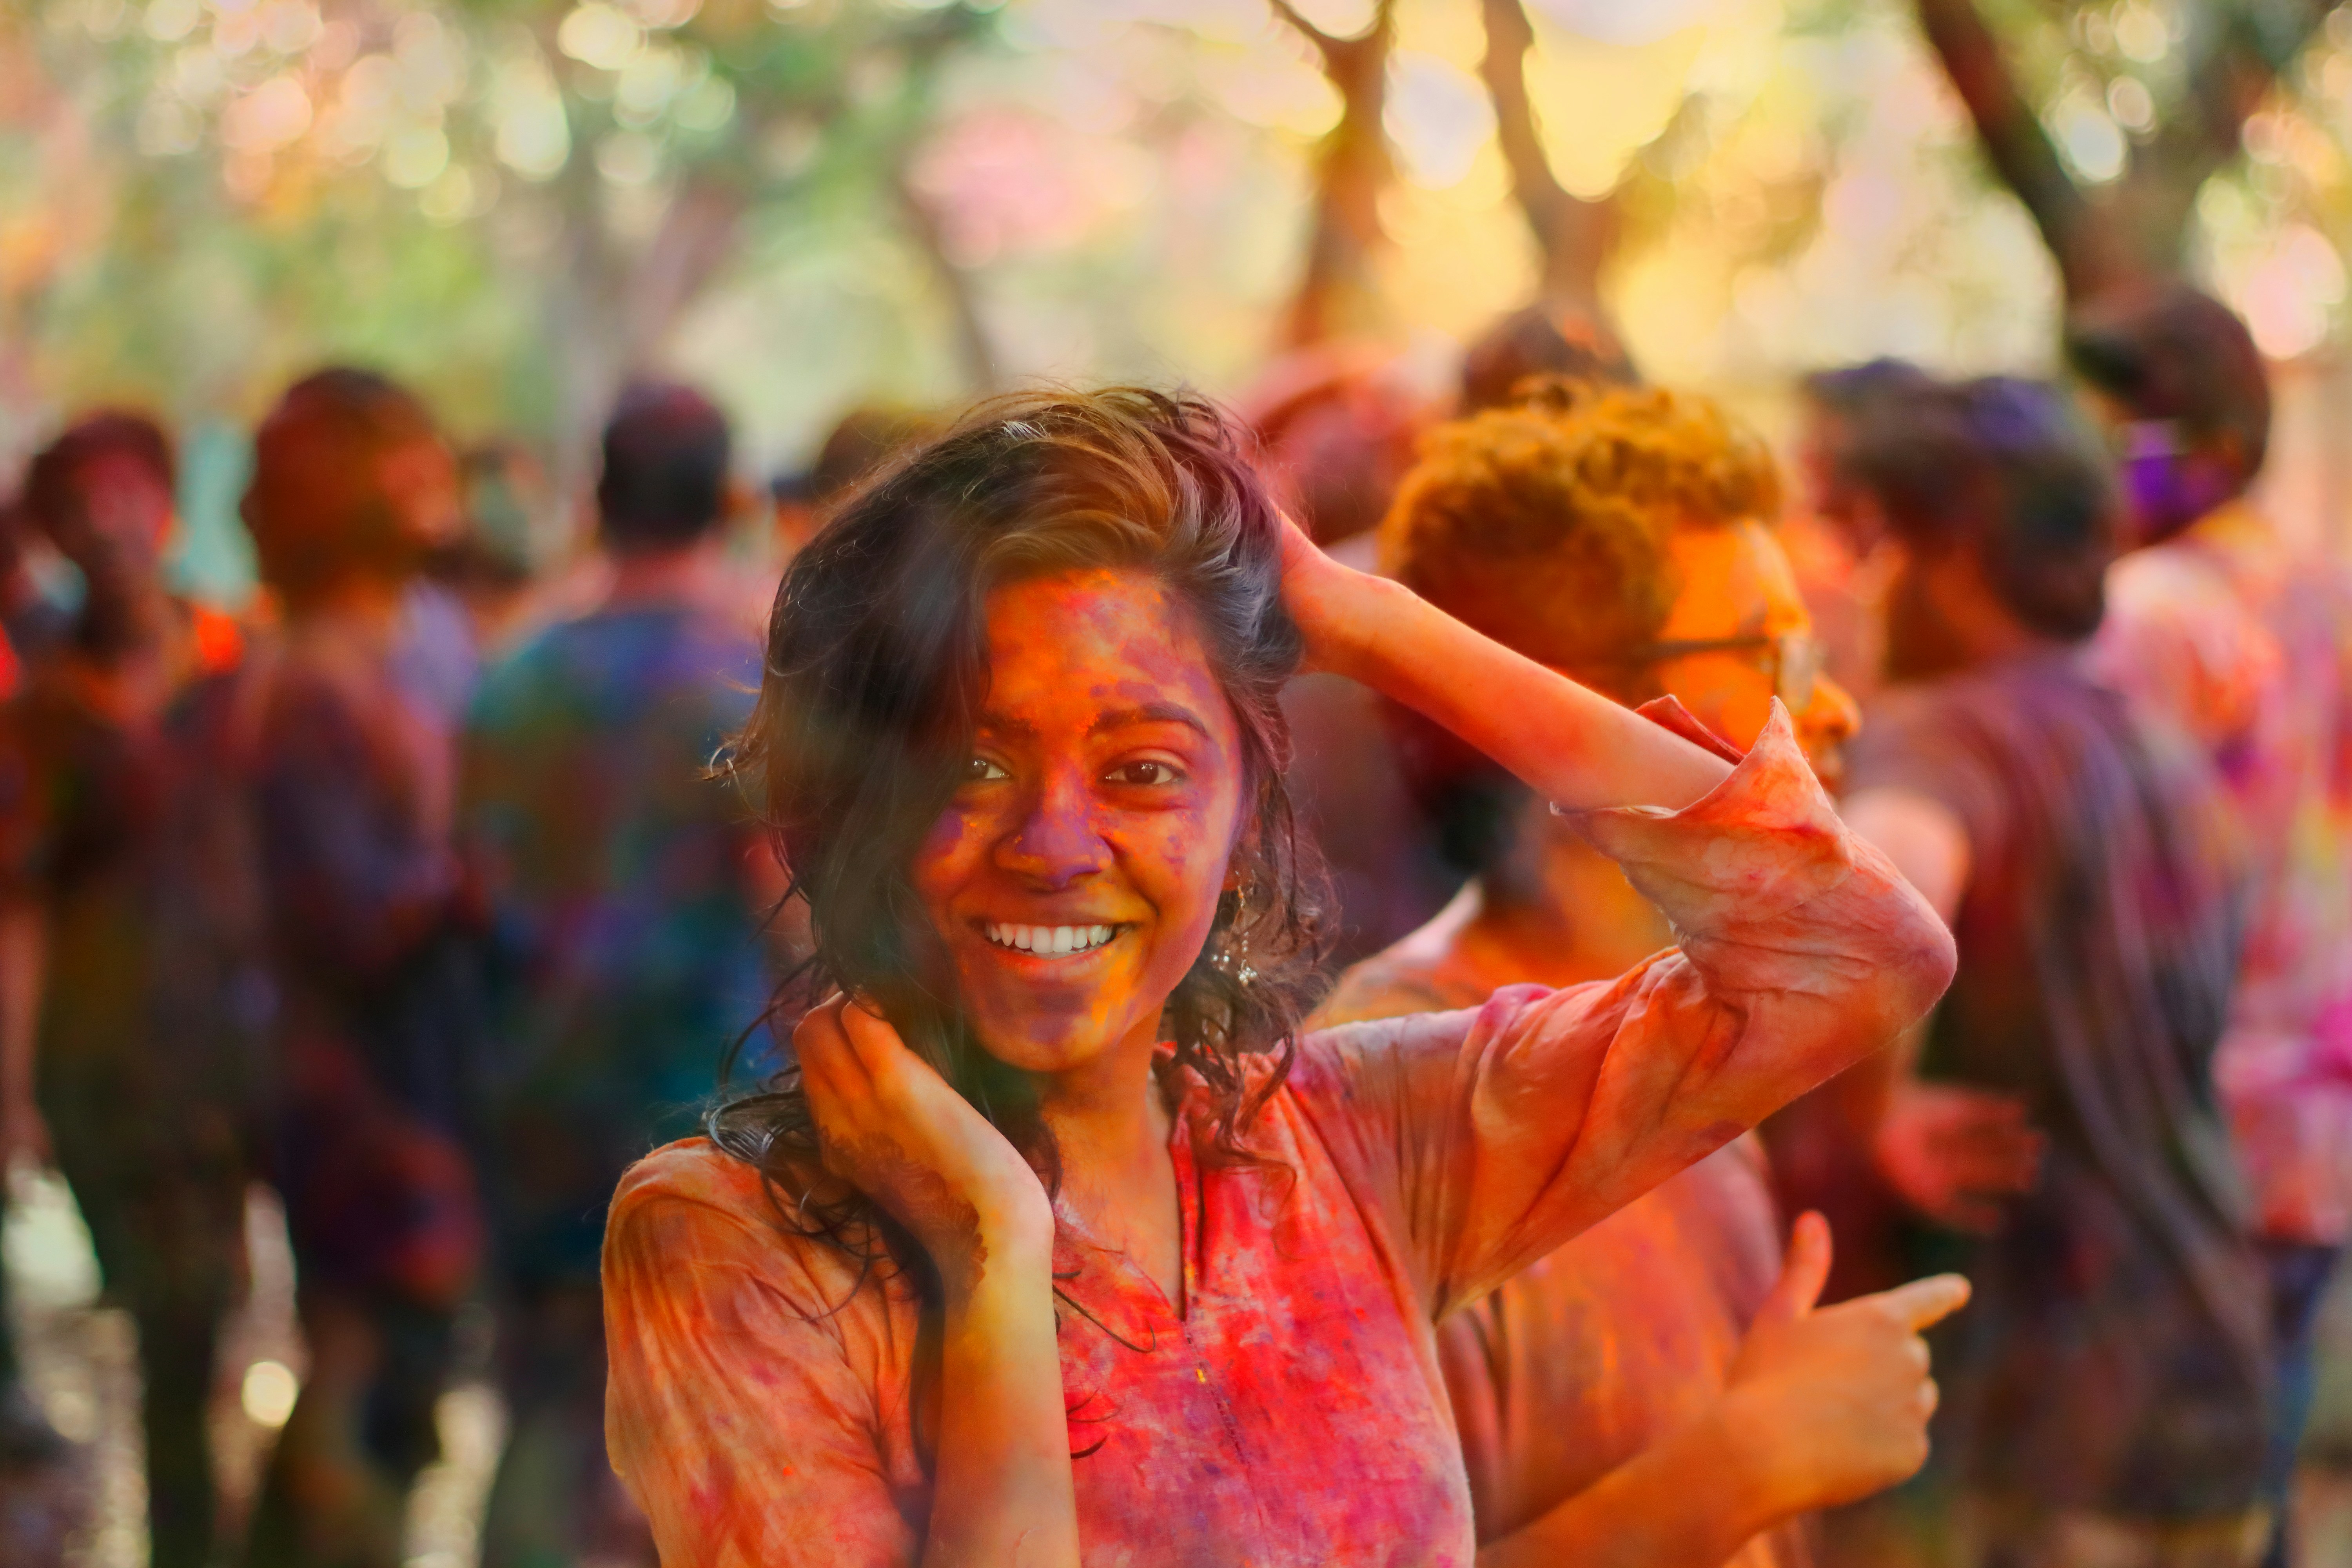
(1061, 1232)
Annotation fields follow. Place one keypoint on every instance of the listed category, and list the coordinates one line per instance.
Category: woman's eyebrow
(1149, 714)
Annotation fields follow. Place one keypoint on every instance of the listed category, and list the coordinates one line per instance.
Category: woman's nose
(1056, 841)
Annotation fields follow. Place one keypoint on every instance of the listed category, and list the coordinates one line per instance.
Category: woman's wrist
(1005, 1249)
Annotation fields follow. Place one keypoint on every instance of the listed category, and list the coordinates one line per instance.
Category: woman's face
(1737, 585)
(1074, 878)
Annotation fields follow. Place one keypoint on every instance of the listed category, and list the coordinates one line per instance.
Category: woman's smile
(1051, 941)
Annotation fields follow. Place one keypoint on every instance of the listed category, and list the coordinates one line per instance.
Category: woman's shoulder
(692, 1170)
(691, 1206)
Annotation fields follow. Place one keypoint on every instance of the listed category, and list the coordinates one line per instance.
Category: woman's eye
(1143, 774)
(979, 770)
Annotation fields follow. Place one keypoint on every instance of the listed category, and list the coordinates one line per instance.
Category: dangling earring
(1233, 947)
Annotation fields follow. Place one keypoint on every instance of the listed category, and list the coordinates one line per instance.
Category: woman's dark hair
(875, 669)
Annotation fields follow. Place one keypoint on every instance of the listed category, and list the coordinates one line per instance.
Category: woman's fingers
(889, 1066)
(829, 1065)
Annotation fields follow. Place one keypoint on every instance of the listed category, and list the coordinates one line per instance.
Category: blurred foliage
(497, 198)
(513, 202)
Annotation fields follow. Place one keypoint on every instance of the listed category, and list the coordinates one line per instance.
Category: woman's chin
(1042, 1044)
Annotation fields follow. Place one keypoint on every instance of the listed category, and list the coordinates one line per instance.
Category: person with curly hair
(1647, 1393)
(1059, 1232)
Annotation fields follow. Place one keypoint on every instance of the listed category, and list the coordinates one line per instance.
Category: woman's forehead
(1084, 645)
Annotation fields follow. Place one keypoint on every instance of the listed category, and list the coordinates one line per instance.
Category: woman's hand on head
(1333, 606)
(1834, 1401)
(893, 1128)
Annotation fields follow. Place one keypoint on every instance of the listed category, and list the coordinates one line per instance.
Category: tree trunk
(974, 350)
(1336, 289)
(1574, 237)
(2134, 230)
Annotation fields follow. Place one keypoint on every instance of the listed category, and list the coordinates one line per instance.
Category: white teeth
(1051, 941)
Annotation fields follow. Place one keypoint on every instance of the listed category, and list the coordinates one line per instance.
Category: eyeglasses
(1793, 659)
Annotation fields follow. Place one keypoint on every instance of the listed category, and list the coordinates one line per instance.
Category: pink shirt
(2245, 645)
(762, 1405)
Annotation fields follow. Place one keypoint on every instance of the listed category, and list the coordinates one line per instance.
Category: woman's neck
(1110, 1125)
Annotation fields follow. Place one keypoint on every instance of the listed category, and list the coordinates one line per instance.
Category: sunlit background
(810, 205)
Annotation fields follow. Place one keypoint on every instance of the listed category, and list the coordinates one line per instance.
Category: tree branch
(2228, 78)
(1573, 234)
(975, 350)
(1325, 43)
(2019, 149)
(1352, 167)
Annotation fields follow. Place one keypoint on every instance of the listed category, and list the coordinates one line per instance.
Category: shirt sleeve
(743, 1410)
(1493, 1135)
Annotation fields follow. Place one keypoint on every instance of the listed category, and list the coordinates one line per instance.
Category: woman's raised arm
(1581, 751)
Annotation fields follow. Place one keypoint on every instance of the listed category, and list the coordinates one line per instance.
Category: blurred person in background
(1832, 530)
(1336, 431)
(1647, 1395)
(129, 941)
(36, 616)
(1830, 1149)
(627, 889)
(860, 442)
(489, 565)
(353, 778)
(1539, 340)
(2106, 1399)
(2216, 625)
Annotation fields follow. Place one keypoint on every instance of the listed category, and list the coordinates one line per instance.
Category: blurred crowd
(421, 889)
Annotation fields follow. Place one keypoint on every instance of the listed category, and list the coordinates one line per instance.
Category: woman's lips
(1050, 942)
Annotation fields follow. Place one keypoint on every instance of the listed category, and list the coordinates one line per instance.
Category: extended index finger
(1927, 1301)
